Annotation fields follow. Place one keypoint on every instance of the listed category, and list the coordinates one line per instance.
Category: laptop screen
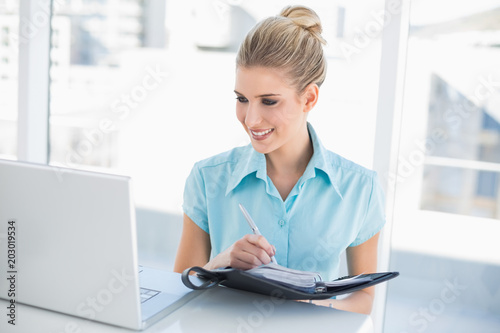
(75, 241)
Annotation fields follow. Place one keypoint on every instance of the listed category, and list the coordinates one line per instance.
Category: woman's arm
(360, 259)
(194, 247)
(194, 250)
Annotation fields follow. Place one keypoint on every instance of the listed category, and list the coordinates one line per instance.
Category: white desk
(217, 310)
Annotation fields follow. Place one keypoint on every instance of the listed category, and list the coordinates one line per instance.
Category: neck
(293, 157)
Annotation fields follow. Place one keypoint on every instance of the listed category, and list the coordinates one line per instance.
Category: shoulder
(228, 158)
(214, 173)
(348, 167)
(350, 179)
(337, 167)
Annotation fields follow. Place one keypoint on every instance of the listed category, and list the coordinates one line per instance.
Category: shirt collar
(252, 161)
(319, 161)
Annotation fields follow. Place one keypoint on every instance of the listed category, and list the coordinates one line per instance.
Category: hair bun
(305, 18)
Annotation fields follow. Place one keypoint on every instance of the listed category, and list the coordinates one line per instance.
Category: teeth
(262, 133)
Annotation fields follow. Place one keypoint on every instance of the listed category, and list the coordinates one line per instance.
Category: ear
(310, 97)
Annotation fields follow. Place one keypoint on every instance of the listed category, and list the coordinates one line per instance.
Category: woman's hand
(248, 252)
(194, 250)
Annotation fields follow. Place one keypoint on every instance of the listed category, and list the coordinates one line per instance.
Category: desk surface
(215, 310)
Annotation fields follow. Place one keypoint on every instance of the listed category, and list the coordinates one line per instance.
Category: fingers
(250, 251)
(261, 242)
(245, 260)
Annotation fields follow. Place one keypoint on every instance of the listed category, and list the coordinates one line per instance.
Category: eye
(242, 99)
(266, 101)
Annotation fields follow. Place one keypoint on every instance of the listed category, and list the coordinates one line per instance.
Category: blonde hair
(291, 42)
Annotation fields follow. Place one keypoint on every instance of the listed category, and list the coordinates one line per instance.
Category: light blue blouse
(335, 204)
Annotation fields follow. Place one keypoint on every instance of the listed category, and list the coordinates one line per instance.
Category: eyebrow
(263, 95)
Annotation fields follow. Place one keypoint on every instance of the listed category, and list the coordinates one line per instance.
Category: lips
(261, 134)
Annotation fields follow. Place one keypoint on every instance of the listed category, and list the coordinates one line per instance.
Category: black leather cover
(239, 279)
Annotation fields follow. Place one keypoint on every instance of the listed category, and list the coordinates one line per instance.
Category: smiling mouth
(262, 133)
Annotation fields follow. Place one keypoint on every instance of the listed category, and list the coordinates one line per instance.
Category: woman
(309, 203)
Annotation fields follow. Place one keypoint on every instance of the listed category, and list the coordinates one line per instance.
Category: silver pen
(253, 226)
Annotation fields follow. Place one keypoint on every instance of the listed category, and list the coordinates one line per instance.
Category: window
(460, 111)
(86, 45)
(447, 164)
(448, 175)
(462, 171)
(145, 87)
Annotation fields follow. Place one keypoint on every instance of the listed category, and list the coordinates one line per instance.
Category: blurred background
(145, 88)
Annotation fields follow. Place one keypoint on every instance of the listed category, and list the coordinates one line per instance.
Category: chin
(258, 148)
(261, 148)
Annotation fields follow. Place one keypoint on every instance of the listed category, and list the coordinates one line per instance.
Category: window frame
(388, 130)
(34, 80)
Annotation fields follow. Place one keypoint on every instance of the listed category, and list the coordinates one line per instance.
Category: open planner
(278, 281)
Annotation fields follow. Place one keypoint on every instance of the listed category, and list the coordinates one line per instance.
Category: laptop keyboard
(147, 294)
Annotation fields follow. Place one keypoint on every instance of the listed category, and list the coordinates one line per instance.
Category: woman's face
(271, 112)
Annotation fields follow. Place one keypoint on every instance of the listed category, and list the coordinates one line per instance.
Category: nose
(252, 117)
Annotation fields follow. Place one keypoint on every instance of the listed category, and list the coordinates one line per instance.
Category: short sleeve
(195, 200)
(375, 215)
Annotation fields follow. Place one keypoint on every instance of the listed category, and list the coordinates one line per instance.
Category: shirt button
(281, 222)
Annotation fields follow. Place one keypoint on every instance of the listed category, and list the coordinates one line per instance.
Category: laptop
(68, 244)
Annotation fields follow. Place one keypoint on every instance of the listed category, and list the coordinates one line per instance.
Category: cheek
(290, 113)
(279, 116)
(240, 113)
